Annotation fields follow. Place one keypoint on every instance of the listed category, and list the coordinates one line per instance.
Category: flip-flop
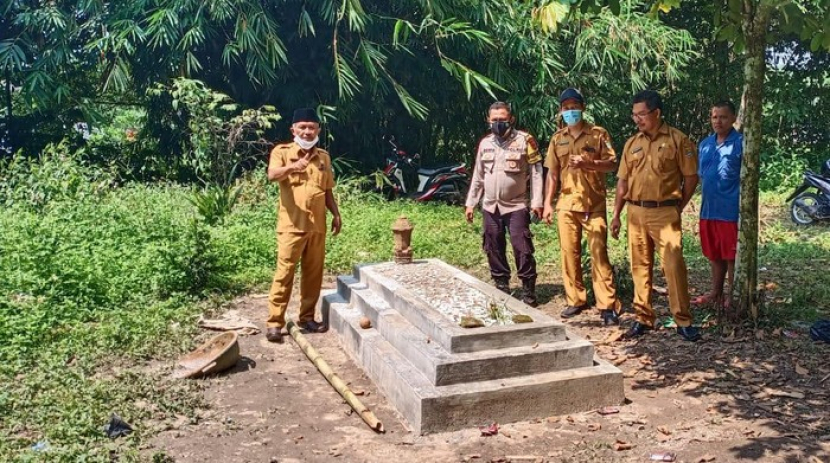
(702, 300)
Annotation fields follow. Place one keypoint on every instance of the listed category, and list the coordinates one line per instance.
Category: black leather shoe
(313, 327)
(572, 311)
(636, 330)
(274, 335)
(502, 284)
(609, 317)
(689, 333)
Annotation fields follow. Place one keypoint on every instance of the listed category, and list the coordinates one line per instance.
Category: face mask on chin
(572, 116)
(306, 145)
(500, 128)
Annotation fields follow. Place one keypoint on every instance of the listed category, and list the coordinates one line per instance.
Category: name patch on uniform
(488, 150)
(563, 143)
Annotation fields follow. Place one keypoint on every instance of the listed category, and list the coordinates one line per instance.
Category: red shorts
(719, 239)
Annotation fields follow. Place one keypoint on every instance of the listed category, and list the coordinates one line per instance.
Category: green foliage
(58, 174)
(218, 136)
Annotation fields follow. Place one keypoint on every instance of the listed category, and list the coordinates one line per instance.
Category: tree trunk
(9, 117)
(755, 25)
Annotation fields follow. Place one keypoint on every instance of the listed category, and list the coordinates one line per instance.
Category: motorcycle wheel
(801, 206)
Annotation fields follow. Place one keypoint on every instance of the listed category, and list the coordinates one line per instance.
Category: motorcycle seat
(435, 170)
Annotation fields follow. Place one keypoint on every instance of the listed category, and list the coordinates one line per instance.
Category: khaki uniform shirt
(655, 167)
(501, 173)
(302, 194)
(582, 190)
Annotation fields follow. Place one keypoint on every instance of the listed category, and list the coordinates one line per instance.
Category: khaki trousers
(657, 228)
(571, 224)
(310, 249)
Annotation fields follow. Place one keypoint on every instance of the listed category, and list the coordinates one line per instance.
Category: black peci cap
(305, 115)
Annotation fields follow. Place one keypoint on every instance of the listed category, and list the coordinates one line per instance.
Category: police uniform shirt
(501, 173)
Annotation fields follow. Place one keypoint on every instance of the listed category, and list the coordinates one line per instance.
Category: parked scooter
(447, 183)
(809, 206)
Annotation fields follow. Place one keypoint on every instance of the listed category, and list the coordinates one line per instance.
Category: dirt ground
(761, 396)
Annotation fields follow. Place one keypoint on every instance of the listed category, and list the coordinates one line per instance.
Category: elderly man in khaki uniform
(304, 174)
(657, 177)
(578, 157)
(506, 161)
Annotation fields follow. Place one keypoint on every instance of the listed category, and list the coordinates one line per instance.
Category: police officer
(305, 178)
(578, 157)
(657, 177)
(506, 159)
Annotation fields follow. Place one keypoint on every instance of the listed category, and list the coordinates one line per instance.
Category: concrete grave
(521, 364)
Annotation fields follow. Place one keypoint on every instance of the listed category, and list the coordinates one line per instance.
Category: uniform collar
(586, 128)
(662, 130)
(298, 152)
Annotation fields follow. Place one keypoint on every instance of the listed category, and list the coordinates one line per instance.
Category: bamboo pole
(333, 379)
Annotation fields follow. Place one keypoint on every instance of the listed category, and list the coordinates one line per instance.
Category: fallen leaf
(620, 360)
(706, 458)
(535, 345)
(621, 445)
(570, 419)
(608, 410)
(506, 434)
(801, 370)
(759, 334)
(491, 430)
(614, 336)
(594, 427)
(473, 456)
(553, 419)
(664, 430)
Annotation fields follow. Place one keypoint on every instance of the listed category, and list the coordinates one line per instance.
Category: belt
(653, 204)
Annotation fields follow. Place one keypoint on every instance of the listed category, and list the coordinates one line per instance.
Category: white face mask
(306, 145)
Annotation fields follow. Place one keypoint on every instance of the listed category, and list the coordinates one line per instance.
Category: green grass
(100, 285)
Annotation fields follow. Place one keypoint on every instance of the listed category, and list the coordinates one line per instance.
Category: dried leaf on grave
(553, 419)
(491, 430)
(620, 360)
(471, 457)
(759, 334)
(506, 434)
(594, 427)
(663, 438)
(664, 430)
(801, 370)
(776, 332)
(621, 445)
(706, 458)
(535, 345)
(359, 392)
(570, 419)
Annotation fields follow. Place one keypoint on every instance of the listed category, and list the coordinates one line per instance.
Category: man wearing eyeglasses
(656, 178)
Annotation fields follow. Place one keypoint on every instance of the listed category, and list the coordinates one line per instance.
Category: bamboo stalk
(333, 379)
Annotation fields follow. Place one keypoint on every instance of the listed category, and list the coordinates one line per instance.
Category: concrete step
(429, 408)
(443, 368)
(446, 332)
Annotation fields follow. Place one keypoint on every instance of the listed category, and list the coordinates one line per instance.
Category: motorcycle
(809, 206)
(447, 183)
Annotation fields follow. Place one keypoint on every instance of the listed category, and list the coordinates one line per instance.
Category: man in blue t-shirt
(719, 169)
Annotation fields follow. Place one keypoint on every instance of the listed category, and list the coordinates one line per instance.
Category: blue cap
(571, 94)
